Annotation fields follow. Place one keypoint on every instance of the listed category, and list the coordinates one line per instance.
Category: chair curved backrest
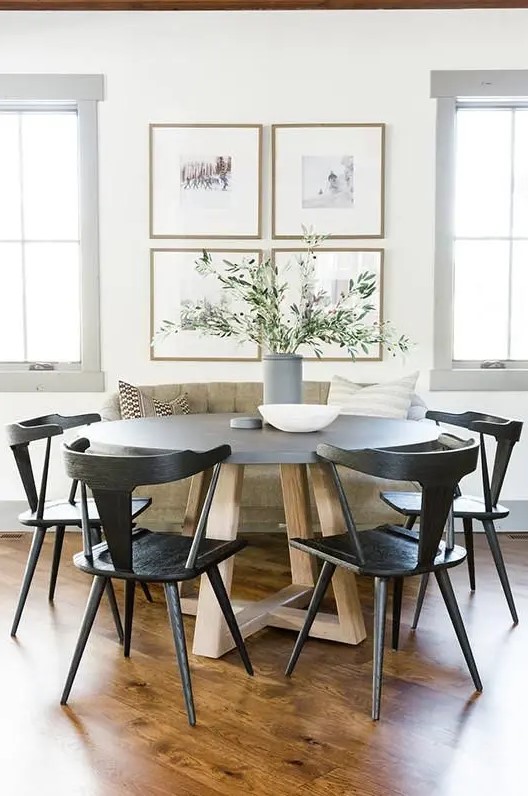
(112, 479)
(138, 467)
(506, 434)
(437, 467)
(21, 434)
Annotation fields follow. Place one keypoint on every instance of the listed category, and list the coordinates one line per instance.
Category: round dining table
(296, 455)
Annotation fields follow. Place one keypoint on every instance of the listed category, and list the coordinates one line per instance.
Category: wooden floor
(125, 730)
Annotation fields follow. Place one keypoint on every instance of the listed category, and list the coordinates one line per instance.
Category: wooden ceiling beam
(247, 5)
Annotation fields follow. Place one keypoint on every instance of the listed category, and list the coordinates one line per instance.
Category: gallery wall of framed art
(207, 183)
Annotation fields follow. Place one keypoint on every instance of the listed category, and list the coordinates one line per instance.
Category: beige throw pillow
(391, 399)
(133, 403)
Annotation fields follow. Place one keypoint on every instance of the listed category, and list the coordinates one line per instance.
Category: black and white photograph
(327, 181)
(206, 180)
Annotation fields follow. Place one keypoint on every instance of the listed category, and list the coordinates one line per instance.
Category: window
(481, 264)
(49, 302)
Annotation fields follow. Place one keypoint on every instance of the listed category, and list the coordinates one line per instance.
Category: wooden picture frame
(205, 181)
(329, 177)
(165, 297)
(374, 260)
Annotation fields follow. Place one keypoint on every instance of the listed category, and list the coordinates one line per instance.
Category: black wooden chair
(391, 552)
(44, 514)
(140, 555)
(485, 509)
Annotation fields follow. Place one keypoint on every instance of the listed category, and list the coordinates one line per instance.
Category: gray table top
(201, 432)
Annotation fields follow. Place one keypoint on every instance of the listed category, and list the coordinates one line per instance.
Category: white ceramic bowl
(299, 417)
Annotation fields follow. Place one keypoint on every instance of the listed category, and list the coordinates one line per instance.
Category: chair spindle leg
(57, 550)
(380, 610)
(92, 606)
(491, 535)
(130, 590)
(178, 631)
(448, 594)
(424, 580)
(319, 592)
(222, 596)
(110, 593)
(34, 553)
(468, 540)
(146, 591)
(396, 611)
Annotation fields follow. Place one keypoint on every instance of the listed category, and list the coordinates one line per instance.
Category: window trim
(446, 88)
(84, 91)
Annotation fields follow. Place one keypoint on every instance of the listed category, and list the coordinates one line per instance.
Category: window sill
(479, 379)
(51, 381)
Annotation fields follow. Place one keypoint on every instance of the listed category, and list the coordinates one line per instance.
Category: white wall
(262, 67)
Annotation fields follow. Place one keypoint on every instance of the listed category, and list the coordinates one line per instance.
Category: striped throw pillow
(391, 399)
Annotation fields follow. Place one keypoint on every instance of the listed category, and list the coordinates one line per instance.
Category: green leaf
(259, 304)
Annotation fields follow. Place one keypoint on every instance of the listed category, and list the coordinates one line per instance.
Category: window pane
(483, 173)
(11, 303)
(53, 302)
(481, 300)
(520, 195)
(519, 325)
(50, 176)
(10, 218)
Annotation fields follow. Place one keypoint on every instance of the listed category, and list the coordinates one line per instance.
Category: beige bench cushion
(232, 396)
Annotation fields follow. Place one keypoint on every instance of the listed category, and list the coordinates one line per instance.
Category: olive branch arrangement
(266, 314)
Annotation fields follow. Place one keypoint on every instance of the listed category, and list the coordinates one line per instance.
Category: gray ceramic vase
(282, 378)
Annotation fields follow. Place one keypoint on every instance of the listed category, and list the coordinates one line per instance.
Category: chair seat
(389, 551)
(62, 512)
(409, 503)
(159, 557)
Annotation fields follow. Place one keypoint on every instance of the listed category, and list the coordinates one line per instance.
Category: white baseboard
(9, 511)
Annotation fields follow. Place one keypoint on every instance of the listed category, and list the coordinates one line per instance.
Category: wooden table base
(285, 608)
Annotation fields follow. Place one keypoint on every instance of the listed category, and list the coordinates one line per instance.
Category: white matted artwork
(205, 181)
(335, 268)
(329, 177)
(174, 283)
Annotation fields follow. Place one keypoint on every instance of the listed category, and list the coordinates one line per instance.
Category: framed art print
(329, 177)
(335, 268)
(175, 283)
(205, 180)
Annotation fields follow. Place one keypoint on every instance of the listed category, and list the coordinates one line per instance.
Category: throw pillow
(391, 399)
(133, 403)
(417, 409)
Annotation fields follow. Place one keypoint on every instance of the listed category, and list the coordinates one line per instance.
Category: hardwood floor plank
(125, 731)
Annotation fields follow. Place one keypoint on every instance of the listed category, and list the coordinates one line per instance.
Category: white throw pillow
(391, 399)
(417, 409)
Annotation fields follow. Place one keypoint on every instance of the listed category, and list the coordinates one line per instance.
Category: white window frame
(447, 87)
(84, 91)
